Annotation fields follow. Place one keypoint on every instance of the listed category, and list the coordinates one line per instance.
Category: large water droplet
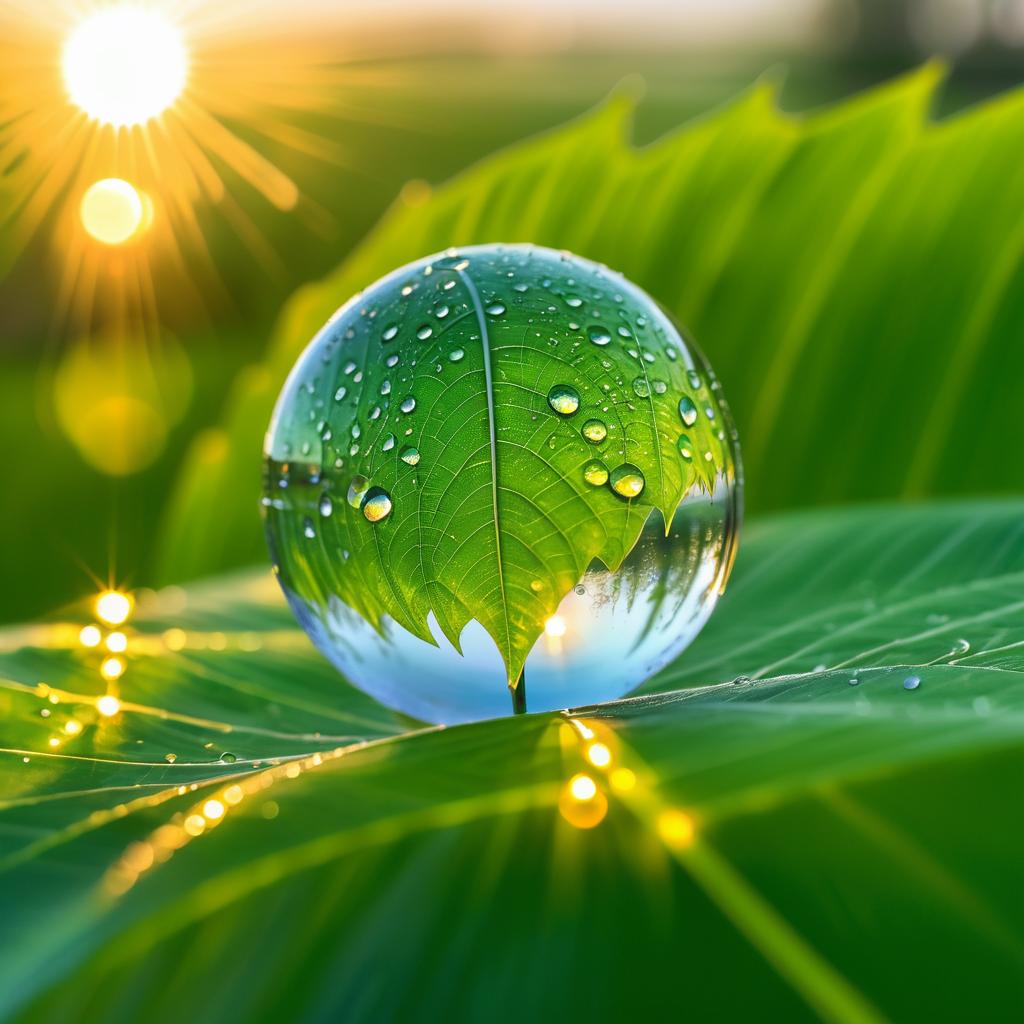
(911, 682)
(377, 504)
(496, 309)
(641, 387)
(627, 480)
(598, 335)
(389, 332)
(595, 473)
(408, 404)
(409, 455)
(565, 400)
(424, 332)
(388, 443)
(595, 431)
(688, 411)
(357, 489)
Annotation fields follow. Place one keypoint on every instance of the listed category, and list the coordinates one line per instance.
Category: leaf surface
(846, 850)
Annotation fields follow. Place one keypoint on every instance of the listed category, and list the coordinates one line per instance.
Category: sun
(124, 64)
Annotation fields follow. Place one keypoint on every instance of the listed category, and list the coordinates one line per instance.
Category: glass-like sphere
(467, 479)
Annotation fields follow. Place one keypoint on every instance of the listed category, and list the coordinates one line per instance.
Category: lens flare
(124, 65)
(112, 211)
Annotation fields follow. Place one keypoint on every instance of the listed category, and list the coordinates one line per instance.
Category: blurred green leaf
(853, 276)
(855, 855)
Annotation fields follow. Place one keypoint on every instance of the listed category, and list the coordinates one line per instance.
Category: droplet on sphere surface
(687, 411)
(377, 504)
(564, 399)
(401, 589)
(627, 480)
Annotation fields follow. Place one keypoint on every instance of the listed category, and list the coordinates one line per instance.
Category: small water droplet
(456, 354)
(565, 400)
(598, 335)
(627, 480)
(170, 758)
(659, 387)
(911, 682)
(688, 411)
(389, 332)
(574, 301)
(595, 473)
(340, 394)
(408, 404)
(595, 431)
(685, 448)
(392, 360)
(709, 412)
(441, 312)
(961, 646)
(388, 443)
(326, 505)
(694, 378)
(424, 332)
(385, 387)
(349, 368)
(580, 590)
(228, 758)
(356, 430)
(377, 504)
(357, 489)
(495, 309)
(641, 387)
(855, 681)
(308, 528)
(409, 455)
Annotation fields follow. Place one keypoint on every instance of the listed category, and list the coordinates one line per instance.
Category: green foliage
(853, 276)
(856, 856)
(460, 393)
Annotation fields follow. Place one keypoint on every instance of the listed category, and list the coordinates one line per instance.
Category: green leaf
(851, 274)
(452, 402)
(854, 853)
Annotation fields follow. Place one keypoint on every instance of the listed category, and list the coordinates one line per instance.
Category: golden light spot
(555, 626)
(195, 824)
(117, 642)
(139, 857)
(213, 809)
(124, 64)
(72, 726)
(113, 607)
(53, 742)
(599, 755)
(175, 639)
(582, 787)
(54, 698)
(112, 668)
(108, 705)
(581, 803)
(90, 636)
(675, 828)
(622, 779)
(233, 795)
(112, 211)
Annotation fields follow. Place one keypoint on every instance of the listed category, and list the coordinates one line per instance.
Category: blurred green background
(401, 97)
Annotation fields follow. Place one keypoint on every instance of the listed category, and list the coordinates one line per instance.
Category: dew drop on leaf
(357, 489)
(495, 309)
(595, 431)
(409, 455)
(911, 682)
(456, 354)
(685, 447)
(598, 335)
(326, 506)
(641, 388)
(595, 473)
(408, 404)
(424, 332)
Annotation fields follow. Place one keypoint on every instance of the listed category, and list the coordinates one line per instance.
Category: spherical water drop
(424, 332)
(685, 448)
(641, 387)
(326, 505)
(408, 404)
(595, 473)
(565, 400)
(627, 480)
(409, 455)
(456, 355)
(377, 504)
(388, 443)
(496, 309)
(598, 335)
(389, 332)
(595, 431)
(911, 682)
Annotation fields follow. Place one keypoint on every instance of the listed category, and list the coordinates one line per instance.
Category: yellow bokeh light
(213, 809)
(72, 726)
(124, 64)
(675, 828)
(195, 824)
(555, 626)
(117, 642)
(90, 636)
(582, 787)
(112, 211)
(623, 780)
(113, 607)
(599, 755)
(108, 706)
(112, 668)
(53, 742)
